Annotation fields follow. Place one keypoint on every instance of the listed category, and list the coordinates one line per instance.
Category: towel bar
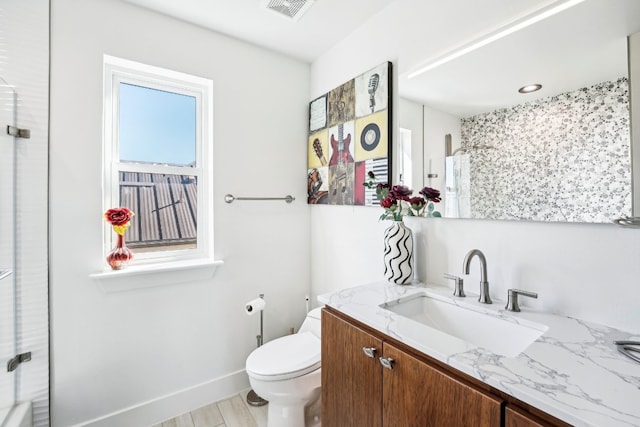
(229, 198)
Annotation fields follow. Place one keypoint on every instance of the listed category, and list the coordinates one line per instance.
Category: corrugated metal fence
(165, 208)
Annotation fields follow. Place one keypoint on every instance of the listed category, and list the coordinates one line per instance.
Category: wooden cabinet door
(416, 394)
(351, 381)
(515, 417)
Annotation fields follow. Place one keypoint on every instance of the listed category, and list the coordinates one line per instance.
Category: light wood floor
(232, 412)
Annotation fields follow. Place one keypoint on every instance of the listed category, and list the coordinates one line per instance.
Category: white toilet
(286, 373)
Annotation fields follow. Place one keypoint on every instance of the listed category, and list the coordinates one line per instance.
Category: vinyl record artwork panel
(371, 134)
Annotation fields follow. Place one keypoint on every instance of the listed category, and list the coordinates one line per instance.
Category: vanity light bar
(497, 35)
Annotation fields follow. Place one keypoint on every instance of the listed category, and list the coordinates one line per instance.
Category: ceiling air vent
(292, 9)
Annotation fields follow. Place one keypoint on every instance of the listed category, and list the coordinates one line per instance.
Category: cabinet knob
(369, 351)
(387, 363)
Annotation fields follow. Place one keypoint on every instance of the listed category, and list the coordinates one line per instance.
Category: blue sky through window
(156, 126)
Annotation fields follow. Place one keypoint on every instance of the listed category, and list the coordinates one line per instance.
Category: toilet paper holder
(249, 307)
(252, 397)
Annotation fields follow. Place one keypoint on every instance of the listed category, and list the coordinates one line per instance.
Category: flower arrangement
(120, 220)
(397, 201)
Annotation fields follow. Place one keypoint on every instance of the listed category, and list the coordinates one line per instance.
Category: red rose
(118, 216)
(400, 192)
(388, 202)
(417, 203)
(431, 194)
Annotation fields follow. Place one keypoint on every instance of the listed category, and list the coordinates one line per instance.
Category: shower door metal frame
(8, 163)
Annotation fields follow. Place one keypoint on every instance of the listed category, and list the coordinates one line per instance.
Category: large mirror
(562, 153)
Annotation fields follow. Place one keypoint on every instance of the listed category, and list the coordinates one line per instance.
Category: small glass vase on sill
(120, 220)
(120, 255)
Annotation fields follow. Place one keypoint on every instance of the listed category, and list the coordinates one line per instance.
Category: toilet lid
(286, 357)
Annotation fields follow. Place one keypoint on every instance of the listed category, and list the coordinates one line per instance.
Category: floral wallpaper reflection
(560, 158)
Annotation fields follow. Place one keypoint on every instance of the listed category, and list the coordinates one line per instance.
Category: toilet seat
(286, 357)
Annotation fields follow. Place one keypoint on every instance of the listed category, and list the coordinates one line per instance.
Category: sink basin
(493, 330)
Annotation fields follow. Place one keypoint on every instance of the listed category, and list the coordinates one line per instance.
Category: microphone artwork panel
(372, 90)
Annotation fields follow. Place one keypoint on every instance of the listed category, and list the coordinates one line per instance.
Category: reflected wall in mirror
(560, 154)
(408, 146)
(562, 158)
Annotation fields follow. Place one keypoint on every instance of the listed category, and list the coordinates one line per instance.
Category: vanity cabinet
(357, 390)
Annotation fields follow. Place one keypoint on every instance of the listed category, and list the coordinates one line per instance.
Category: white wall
(134, 358)
(24, 63)
(590, 271)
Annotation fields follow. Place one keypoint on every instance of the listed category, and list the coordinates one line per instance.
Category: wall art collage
(350, 136)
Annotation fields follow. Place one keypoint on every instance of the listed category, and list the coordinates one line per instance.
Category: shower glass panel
(7, 248)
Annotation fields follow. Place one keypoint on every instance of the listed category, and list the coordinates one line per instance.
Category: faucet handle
(512, 298)
(458, 283)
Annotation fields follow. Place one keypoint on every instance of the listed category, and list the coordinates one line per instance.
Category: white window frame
(116, 71)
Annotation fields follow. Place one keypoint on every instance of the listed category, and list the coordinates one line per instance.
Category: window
(158, 159)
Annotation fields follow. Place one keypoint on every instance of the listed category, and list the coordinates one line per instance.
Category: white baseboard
(174, 404)
(20, 416)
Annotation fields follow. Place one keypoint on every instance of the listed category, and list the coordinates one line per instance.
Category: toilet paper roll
(254, 306)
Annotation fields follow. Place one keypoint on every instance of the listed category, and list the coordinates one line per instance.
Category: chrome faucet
(484, 284)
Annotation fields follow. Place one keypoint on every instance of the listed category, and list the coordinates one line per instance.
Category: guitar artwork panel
(342, 143)
(318, 170)
(341, 105)
(349, 136)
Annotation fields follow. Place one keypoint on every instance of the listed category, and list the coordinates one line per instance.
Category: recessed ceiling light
(530, 88)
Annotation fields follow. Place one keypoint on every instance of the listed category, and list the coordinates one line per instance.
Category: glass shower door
(7, 248)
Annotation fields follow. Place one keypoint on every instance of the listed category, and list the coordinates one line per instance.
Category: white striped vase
(398, 254)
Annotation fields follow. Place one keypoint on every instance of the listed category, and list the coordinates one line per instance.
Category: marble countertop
(572, 371)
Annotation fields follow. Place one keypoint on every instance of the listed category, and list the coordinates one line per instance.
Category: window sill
(151, 275)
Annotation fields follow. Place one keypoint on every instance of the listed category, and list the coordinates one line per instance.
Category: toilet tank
(312, 322)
